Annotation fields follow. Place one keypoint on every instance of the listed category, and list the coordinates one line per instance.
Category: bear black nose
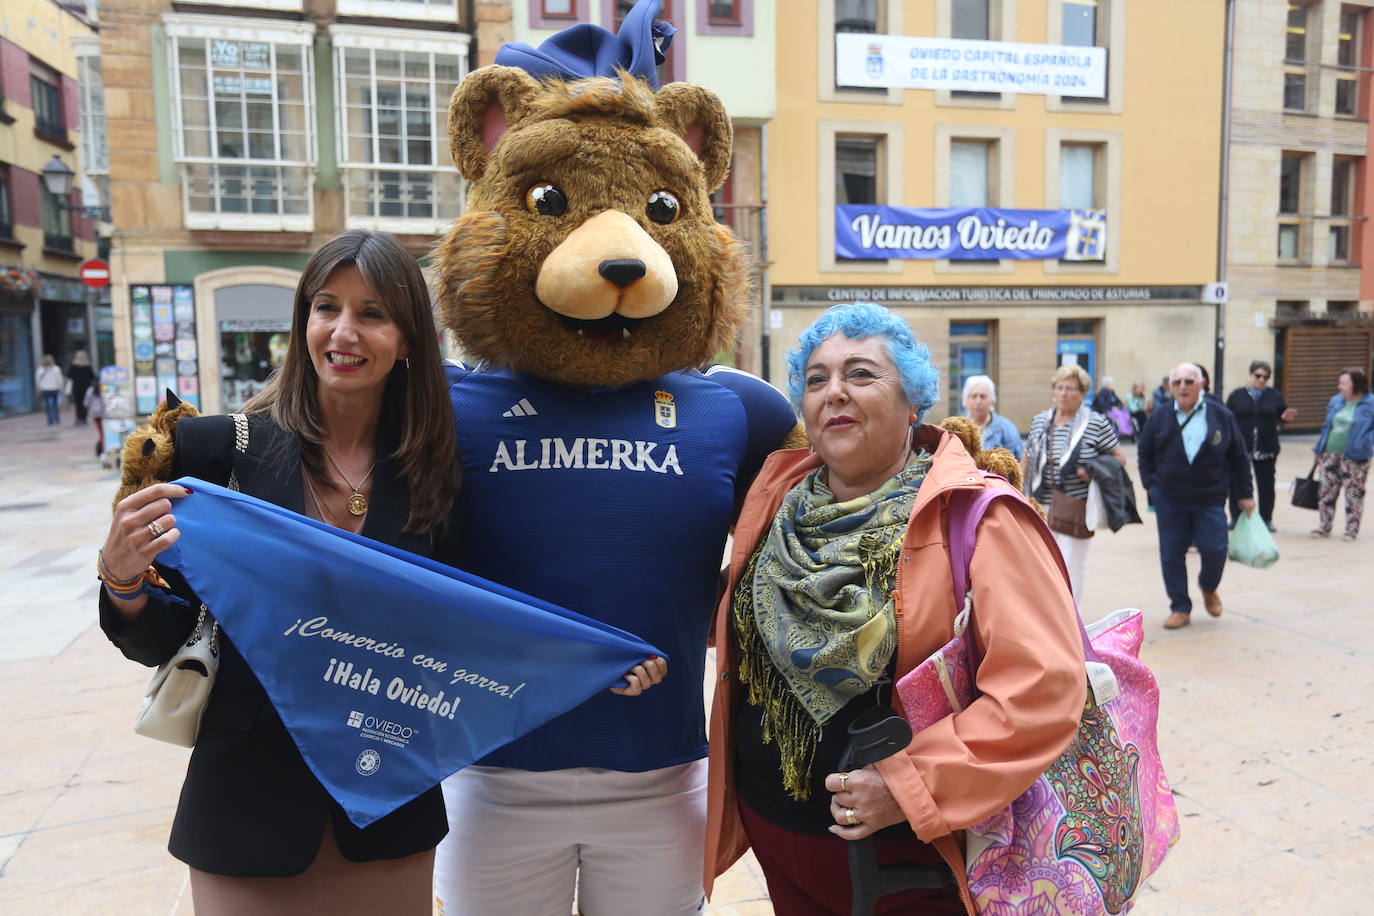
(623, 272)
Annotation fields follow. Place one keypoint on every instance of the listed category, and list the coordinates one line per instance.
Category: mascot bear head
(588, 254)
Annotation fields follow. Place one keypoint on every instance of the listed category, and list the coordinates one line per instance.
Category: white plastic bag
(1095, 514)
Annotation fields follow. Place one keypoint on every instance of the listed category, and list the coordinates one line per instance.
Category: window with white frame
(427, 10)
(970, 163)
(95, 147)
(244, 98)
(1078, 184)
(394, 91)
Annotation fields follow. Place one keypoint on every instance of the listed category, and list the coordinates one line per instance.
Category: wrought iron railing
(57, 242)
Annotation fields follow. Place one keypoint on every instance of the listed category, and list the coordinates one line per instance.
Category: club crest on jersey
(665, 411)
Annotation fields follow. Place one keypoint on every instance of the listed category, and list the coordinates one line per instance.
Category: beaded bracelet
(127, 589)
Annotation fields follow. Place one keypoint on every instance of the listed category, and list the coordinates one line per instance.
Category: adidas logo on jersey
(521, 408)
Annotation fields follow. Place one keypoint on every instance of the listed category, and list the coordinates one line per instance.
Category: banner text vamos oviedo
(973, 233)
(345, 674)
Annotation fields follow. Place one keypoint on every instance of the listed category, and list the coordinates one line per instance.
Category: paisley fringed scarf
(813, 611)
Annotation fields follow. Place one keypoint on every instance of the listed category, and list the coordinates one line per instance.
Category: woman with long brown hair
(355, 430)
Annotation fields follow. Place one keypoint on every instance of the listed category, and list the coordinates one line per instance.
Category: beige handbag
(180, 689)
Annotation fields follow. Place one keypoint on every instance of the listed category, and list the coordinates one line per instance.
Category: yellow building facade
(1147, 155)
(44, 308)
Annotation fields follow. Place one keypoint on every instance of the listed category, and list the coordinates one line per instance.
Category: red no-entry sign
(95, 273)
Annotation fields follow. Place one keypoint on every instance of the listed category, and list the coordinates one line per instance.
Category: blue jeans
(52, 406)
(1181, 524)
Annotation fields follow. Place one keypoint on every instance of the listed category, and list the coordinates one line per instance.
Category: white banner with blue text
(908, 62)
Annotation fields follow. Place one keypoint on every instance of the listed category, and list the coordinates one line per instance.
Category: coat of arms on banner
(1087, 236)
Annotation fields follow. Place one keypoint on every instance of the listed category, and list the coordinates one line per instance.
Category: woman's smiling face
(353, 341)
(856, 413)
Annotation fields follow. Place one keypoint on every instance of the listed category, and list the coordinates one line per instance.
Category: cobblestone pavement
(1267, 726)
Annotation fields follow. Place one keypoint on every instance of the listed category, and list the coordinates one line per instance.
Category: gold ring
(849, 817)
(844, 778)
(156, 529)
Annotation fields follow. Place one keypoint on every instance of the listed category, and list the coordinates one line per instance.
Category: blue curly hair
(920, 380)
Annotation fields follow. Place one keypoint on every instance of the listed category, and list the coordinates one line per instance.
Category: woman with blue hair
(839, 584)
(980, 401)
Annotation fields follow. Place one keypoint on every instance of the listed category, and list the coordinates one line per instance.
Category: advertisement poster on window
(876, 232)
(165, 354)
(961, 65)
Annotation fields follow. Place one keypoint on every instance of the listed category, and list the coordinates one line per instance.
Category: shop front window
(16, 359)
(249, 351)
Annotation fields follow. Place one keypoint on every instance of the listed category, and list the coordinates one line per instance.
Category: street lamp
(57, 177)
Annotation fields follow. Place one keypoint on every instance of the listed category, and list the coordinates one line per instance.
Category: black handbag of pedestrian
(1305, 489)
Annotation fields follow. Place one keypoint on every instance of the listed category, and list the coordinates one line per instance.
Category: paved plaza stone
(1267, 725)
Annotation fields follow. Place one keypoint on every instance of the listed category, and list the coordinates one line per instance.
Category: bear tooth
(624, 333)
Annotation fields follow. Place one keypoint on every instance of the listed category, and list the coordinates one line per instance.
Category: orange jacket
(1031, 681)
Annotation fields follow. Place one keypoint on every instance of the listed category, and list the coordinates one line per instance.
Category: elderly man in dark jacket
(1191, 457)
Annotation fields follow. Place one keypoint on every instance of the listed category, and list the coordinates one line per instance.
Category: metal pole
(92, 298)
(36, 329)
(765, 283)
(1223, 212)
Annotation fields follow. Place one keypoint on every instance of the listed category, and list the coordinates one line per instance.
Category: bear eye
(546, 200)
(663, 207)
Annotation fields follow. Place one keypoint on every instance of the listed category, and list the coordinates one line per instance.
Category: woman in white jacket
(50, 381)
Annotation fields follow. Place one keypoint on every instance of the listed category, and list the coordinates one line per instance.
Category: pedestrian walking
(50, 382)
(815, 564)
(980, 402)
(355, 430)
(1061, 440)
(95, 409)
(1190, 458)
(1343, 451)
(1259, 409)
(1161, 396)
(1140, 405)
(80, 378)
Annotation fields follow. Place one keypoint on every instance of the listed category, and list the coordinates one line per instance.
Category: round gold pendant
(357, 504)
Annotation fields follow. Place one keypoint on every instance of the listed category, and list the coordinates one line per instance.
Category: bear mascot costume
(588, 281)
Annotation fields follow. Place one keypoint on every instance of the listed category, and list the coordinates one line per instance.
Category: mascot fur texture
(147, 455)
(520, 278)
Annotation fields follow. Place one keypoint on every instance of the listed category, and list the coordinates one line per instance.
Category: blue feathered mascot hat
(586, 50)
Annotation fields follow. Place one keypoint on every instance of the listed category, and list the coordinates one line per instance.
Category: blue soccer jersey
(614, 504)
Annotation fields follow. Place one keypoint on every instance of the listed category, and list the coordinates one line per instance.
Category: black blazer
(250, 807)
(1259, 420)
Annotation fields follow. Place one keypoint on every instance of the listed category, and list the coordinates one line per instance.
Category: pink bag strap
(965, 514)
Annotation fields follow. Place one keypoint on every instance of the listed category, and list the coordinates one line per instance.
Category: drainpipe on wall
(1219, 354)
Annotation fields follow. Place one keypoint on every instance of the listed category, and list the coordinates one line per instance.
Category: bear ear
(486, 104)
(697, 116)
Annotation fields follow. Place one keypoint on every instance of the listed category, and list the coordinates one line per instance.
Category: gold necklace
(325, 516)
(357, 503)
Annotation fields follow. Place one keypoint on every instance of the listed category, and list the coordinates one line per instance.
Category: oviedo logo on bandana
(389, 671)
(665, 411)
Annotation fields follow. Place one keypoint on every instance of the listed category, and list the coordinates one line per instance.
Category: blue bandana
(589, 50)
(389, 670)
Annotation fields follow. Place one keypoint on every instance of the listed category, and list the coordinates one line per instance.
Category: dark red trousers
(808, 874)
